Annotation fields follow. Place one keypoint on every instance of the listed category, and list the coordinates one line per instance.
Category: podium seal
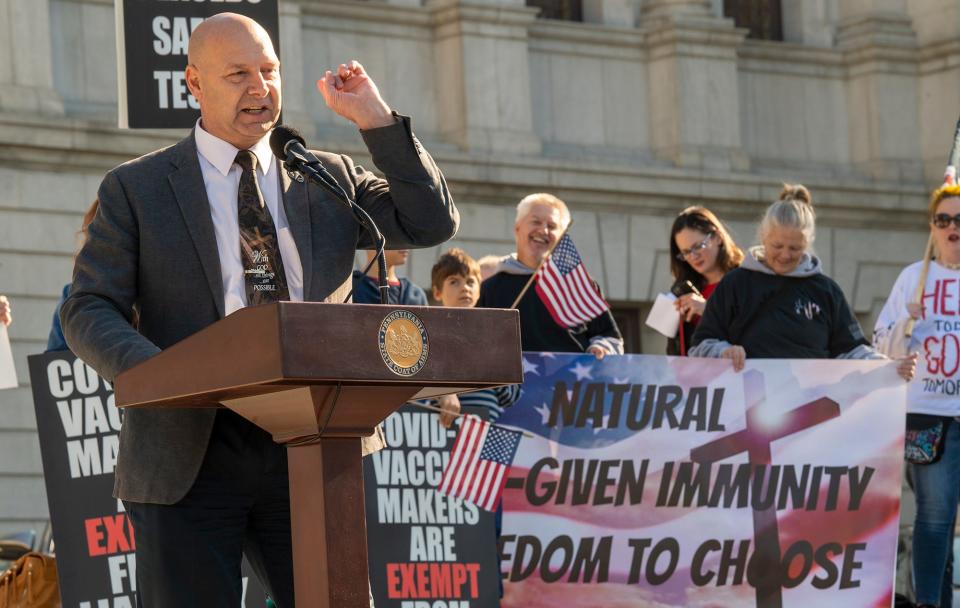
(403, 343)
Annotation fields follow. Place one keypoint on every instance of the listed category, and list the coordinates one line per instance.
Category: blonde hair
(542, 198)
(945, 191)
(794, 209)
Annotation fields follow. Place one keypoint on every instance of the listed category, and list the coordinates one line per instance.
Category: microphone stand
(319, 175)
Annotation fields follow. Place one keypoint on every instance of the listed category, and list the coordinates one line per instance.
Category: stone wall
(648, 107)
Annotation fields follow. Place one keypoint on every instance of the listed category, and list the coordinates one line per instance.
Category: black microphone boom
(289, 146)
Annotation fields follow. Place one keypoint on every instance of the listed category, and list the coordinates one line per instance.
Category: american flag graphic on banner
(566, 289)
(590, 419)
(479, 462)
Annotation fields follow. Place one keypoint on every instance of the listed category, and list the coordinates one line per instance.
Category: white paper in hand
(8, 373)
(663, 316)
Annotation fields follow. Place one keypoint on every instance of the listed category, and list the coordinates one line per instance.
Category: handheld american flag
(479, 461)
(565, 287)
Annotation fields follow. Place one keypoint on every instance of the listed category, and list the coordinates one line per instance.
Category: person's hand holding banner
(352, 94)
(450, 409)
(736, 354)
(907, 366)
(5, 316)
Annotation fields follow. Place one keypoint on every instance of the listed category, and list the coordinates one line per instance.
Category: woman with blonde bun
(778, 304)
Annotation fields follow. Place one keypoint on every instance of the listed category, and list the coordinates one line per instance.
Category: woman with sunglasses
(933, 401)
(701, 252)
(779, 304)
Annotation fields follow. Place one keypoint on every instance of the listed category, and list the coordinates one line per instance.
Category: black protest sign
(152, 56)
(79, 429)
(425, 550)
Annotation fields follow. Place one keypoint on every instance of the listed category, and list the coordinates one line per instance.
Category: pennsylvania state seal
(403, 343)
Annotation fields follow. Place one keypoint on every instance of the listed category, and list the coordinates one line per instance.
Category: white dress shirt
(221, 177)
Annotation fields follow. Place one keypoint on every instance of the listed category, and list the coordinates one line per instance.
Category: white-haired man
(541, 220)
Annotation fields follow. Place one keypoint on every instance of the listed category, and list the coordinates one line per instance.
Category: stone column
(26, 73)
(482, 65)
(617, 13)
(809, 22)
(694, 90)
(937, 25)
(297, 93)
(880, 50)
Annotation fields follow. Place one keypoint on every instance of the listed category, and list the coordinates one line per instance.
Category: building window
(566, 10)
(763, 18)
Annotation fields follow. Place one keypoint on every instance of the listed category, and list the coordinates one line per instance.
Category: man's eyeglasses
(942, 220)
(698, 248)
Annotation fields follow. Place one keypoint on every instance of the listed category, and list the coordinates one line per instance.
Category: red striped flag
(479, 461)
(566, 289)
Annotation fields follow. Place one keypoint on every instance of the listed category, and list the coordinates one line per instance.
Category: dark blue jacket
(404, 294)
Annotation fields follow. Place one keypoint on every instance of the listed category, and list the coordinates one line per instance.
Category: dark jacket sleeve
(413, 294)
(96, 316)
(845, 331)
(55, 340)
(717, 316)
(602, 326)
(412, 206)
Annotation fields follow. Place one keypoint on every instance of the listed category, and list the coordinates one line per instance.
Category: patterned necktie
(259, 247)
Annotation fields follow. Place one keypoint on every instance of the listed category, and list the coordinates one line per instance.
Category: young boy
(455, 281)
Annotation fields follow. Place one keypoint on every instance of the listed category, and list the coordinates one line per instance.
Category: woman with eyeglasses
(933, 401)
(779, 304)
(701, 252)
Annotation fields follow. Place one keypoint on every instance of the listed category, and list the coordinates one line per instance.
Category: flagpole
(918, 294)
(440, 410)
(542, 261)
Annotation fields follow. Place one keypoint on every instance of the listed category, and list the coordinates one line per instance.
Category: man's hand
(915, 310)
(450, 404)
(351, 93)
(598, 351)
(736, 354)
(6, 316)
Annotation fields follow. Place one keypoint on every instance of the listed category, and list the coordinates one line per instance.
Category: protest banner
(662, 481)
(152, 38)
(8, 371)
(425, 550)
(79, 430)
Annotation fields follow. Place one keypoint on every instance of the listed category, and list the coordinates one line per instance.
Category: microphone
(289, 146)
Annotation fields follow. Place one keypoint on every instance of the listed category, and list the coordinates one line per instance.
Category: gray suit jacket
(152, 246)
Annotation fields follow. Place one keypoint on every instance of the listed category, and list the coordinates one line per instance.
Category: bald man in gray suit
(202, 486)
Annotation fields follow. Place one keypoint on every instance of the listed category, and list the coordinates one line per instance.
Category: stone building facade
(641, 108)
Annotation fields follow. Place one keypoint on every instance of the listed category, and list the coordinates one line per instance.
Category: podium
(320, 378)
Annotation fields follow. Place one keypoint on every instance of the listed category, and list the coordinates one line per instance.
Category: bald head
(225, 28)
(234, 73)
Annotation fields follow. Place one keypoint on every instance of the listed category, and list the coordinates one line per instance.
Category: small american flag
(481, 457)
(566, 289)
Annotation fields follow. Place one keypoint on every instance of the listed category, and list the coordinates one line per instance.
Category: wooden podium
(319, 378)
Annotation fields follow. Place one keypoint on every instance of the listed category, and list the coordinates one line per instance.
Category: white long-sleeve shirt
(221, 177)
(936, 336)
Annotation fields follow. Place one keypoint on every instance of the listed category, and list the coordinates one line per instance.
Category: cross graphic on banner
(762, 429)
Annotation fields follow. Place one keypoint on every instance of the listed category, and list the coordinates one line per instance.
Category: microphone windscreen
(281, 136)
